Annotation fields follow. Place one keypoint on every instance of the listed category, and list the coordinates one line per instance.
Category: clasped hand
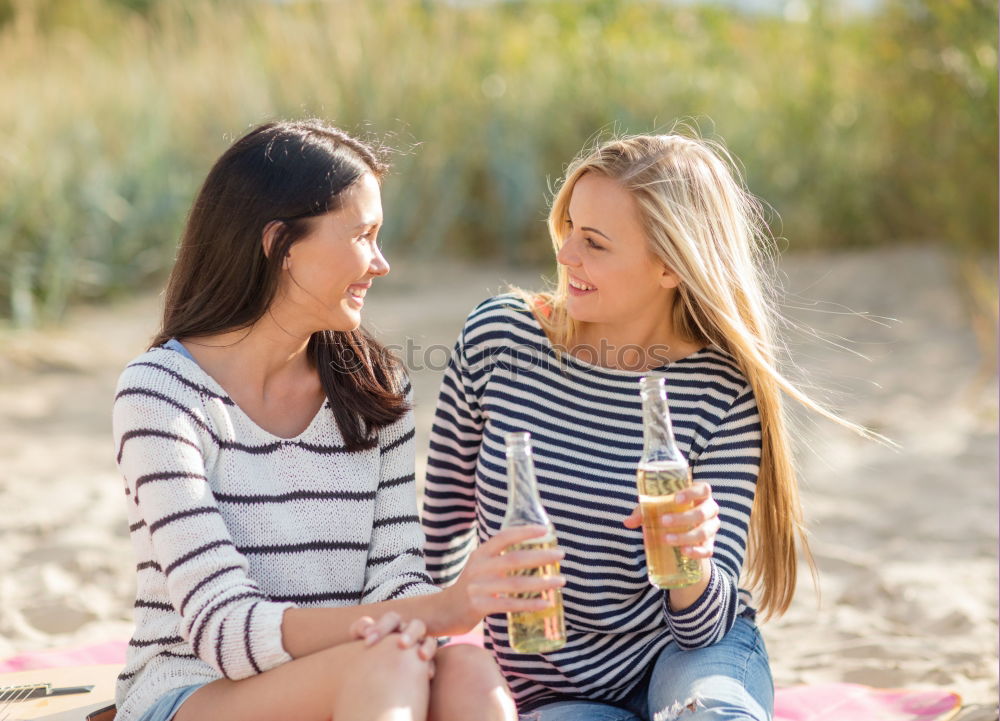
(411, 633)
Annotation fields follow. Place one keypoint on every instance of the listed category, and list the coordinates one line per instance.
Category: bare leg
(468, 685)
(345, 683)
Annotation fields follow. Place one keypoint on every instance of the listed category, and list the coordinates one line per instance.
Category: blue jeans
(729, 681)
(169, 703)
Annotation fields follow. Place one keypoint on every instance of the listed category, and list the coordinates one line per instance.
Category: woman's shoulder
(504, 304)
(714, 366)
(164, 372)
(502, 317)
(147, 367)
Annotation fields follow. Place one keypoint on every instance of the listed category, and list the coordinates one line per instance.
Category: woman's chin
(578, 312)
(339, 323)
(348, 320)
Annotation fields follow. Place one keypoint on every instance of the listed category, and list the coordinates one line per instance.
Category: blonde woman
(659, 269)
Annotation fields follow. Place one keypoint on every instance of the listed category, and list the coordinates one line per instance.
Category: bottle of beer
(531, 631)
(663, 471)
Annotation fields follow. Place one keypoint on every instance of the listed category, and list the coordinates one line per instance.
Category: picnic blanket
(815, 702)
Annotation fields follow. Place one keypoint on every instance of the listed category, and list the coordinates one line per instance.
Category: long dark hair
(223, 280)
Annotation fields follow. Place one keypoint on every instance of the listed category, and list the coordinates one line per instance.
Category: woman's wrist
(445, 617)
(683, 598)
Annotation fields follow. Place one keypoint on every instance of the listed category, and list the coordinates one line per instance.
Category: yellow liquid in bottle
(538, 631)
(667, 567)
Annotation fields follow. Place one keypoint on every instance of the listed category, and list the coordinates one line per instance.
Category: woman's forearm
(307, 630)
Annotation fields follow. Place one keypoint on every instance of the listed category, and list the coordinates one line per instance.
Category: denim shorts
(727, 681)
(169, 703)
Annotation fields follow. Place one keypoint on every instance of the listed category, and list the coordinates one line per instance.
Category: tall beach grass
(857, 129)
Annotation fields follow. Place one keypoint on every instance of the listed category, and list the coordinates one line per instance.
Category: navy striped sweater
(231, 525)
(586, 428)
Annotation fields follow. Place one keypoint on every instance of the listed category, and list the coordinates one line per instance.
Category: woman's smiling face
(328, 272)
(614, 278)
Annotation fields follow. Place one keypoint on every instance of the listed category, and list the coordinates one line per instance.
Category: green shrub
(858, 129)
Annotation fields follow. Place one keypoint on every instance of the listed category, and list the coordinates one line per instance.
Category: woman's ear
(669, 279)
(269, 237)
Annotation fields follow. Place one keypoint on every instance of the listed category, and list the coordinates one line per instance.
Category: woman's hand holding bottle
(488, 584)
(694, 530)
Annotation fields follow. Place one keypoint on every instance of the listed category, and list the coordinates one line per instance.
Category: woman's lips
(356, 292)
(578, 287)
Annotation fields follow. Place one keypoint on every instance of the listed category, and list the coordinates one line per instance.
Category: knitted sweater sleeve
(729, 463)
(395, 556)
(449, 514)
(161, 443)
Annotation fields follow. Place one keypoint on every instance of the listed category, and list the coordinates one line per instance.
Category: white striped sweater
(586, 428)
(232, 525)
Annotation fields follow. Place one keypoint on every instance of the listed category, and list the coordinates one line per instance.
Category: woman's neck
(260, 360)
(635, 346)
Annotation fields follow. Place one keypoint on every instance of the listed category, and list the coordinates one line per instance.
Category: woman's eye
(591, 243)
(569, 222)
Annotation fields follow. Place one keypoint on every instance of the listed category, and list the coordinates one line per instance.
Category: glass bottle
(663, 471)
(531, 631)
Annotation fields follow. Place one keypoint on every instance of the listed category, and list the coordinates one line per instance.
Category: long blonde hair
(703, 224)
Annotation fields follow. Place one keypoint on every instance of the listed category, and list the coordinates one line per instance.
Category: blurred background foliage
(859, 127)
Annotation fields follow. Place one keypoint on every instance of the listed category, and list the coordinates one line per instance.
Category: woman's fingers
(487, 565)
(509, 536)
(694, 530)
(360, 627)
(503, 593)
(699, 535)
(491, 567)
(493, 577)
(695, 493)
(704, 508)
(505, 585)
(385, 625)
(522, 560)
(704, 551)
(702, 513)
(428, 648)
(700, 494)
(412, 633)
(513, 604)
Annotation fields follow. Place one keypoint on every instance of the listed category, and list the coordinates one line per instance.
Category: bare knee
(386, 663)
(467, 664)
(468, 681)
(383, 681)
(348, 682)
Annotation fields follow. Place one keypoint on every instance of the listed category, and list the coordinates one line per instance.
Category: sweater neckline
(217, 388)
(593, 367)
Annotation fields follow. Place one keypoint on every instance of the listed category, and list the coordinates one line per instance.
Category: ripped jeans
(729, 681)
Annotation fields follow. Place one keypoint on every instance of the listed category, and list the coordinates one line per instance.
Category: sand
(905, 540)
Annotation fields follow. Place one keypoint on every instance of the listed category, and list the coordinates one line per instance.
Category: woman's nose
(379, 265)
(568, 254)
